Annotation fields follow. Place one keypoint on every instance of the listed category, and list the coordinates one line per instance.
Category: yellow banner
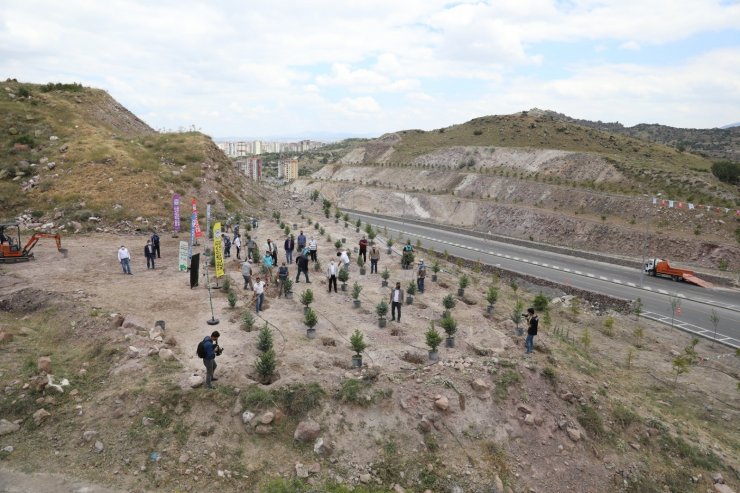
(218, 250)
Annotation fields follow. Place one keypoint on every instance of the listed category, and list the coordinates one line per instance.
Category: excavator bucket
(695, 280)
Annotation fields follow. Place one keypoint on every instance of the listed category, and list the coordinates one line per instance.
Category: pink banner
(176, 211)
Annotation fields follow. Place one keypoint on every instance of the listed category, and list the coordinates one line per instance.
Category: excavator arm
(35, 239)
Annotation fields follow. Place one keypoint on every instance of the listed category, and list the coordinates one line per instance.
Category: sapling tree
(449, 324)
(516, 313)
(310, 319)
(411, 288)
(540, 302)
(448, 302)
(356, 290)
(357, 342)
(307, 298)
(266, 365)
(714, 318)
(248, 321)
(675, 306)
(385, 275)
(433, 338)
(264, 339)
(492, 295)
(343, 276)
(381, 309)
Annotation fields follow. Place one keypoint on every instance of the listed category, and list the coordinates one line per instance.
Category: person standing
(212, 349)
(331, 275)
(251, 247)
(301, 240)
(238, 246)
(259, 294)
(534, 322)
(363, 248)
(274, 253)
(247, 274)
(267, 264)
(155, 243)
(227, 246)
(374, 257)
(313, 247)
(302, 262)
(149, 254)
(282, 278)
(396, 302)
(344, 257)
(124, 257)
(421, 273)
(289, 246)
(406, 248)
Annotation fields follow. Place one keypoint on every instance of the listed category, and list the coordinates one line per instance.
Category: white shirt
(123, 253)
(396, 295)
(344, 257)
(237, 242)
(332, 269)
(312, 245)
(259, 287)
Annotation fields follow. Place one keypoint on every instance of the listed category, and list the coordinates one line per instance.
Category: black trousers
(313, 255)
(396, 305)
(156, 249)
(333, 282)
(298, 275)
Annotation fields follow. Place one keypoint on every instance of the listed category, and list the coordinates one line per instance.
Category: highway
(694, 304)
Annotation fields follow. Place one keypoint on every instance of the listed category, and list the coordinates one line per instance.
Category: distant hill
(73, 152)
(714, 143)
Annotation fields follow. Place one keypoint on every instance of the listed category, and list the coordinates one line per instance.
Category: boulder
(7, 427)
(247, 417)
(267, 418)
(166, 354)
(133, 352)
(261, 429)
(40, 416)
(307, 430)
(195, 381)
(89, 435)
(441, 402)
(300, 471)
(479, 385)
(523, 408)
(573, 433)
(99, 447)
(44, 364)
(723, 488)
(323, 446)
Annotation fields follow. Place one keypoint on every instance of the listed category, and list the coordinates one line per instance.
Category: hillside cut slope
(533, 176)
(68, 153)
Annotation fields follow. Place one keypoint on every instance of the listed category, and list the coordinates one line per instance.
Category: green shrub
(264, 339)
(448, 302)
(449, 324)
(381, 309)
(226, 284)
(411, 288)
(356, 290)
(508, 378)
(357, 342)
(232, 298)
(591, 421)
(266, 364)
(343, 275)
(310, 319)
(248, 321)
(464, 281)
(540, 302)
(727, 171)
(492, 295)
(624, 416)
(433, 338)
(307, 297)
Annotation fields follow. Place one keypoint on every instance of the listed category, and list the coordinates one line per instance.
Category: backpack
(155, 238)
(201, 351)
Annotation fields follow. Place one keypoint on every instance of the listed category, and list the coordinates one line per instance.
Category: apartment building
(250, 166)
(288, 168)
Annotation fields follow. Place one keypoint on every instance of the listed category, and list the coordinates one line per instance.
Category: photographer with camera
(210, 350)
(532, 330)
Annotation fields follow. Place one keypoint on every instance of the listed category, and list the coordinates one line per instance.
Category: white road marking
(566, 270)
(590, 275)
(662, 291)
(603, 278)
(616, 281)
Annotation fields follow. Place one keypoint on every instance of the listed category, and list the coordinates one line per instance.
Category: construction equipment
(659, 267)
(10, 244)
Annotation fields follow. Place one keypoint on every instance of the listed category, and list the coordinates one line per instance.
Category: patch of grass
(549, 374)
(678, 447)
(295, 400)
(591, 421)
(496, 455)
(624, 416)
(354, 391)
(298, 486)
(508, 378)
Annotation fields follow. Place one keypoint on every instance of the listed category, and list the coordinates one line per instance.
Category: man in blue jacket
(210, 344)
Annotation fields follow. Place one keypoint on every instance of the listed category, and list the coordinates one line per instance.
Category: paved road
(695, 304)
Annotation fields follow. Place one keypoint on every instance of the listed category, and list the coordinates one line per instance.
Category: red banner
(198, 232)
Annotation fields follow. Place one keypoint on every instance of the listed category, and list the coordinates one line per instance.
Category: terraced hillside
(534, 177)
(68, 153)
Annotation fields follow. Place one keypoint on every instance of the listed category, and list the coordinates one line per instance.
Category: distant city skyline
(366, 68)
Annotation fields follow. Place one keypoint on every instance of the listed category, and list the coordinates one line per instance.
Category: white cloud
(271, 68)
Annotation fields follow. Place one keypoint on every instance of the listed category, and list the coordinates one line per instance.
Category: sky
(294, 68)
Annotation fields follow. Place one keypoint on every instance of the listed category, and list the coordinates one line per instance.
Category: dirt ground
(540, 454)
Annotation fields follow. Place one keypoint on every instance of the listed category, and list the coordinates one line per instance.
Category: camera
(218, 350)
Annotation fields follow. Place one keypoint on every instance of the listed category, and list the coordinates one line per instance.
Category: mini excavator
(10, 244)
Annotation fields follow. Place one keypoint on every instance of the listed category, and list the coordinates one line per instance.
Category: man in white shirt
(396, 302)
(125, 259)
(238, 245)
(345, 259)
(331, 274)
(259, 294)
(313, 248)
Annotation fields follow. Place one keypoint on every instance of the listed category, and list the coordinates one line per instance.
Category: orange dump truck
(660, 267)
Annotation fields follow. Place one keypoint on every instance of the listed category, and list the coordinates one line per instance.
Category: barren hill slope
(70, 152)
(533, 176)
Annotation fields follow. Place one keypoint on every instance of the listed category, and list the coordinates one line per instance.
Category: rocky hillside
(714, 143)
(533, 177)
(68, 153)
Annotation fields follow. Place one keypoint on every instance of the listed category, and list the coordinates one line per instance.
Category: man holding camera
(212, 349)
(531, 330)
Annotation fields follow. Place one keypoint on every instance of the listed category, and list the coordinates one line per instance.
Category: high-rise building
(250, 166)
(288, 168)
